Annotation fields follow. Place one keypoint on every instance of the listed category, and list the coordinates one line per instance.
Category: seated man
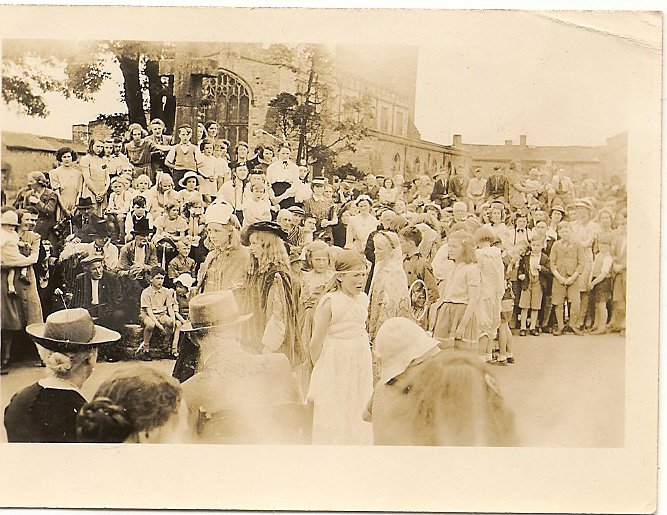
(99, 246)
(158, 310)
(135, 260)
(98, 291)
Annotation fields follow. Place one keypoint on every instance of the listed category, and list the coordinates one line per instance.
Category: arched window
(396, 166)
(226, 99)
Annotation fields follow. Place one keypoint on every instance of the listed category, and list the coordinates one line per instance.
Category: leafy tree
(348, 169)
(118, 122)
(322, 125)
(32, 69)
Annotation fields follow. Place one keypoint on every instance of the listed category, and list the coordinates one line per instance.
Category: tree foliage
(322, 123)
(33, 69)
(30, 71)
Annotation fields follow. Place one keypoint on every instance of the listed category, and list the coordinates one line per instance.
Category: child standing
(567, 260)
(318, 273)
(184, 156)
(600, 282)
(533, 270)
(455, 321)
(210, 171)
(416, 267)
(491, 290)
(139, 149)
(342, 379)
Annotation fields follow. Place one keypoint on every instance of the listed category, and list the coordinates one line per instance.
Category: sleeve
(172, 272)
(47, 207)
(429, 280)
(607, 263)
(124, 260)
(171, 156)
(12, 258)
(473, 275)
(275, 330)
(54, 179)
(146, 298)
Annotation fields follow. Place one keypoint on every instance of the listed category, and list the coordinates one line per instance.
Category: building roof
(26, 141)
(532, 153)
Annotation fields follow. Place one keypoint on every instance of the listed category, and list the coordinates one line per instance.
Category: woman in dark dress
(46, 411)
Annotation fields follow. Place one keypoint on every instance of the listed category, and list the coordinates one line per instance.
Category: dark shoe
(510, 360)
(547, 330)
(501, 363)
(145, 356)
(522, 332)
(112, 359)
(577, 331)
(557, 332)
(534, 332)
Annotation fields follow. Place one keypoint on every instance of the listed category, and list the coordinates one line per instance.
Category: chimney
(522, 139)
(508, 142)
(458, 140)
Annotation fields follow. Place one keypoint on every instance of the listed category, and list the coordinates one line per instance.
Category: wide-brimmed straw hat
(70, 330)
(398, 343)
(213, 309)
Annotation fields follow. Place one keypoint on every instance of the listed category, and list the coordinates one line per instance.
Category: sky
(559, 79)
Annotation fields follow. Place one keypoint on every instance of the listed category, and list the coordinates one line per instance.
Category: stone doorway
(226, 99)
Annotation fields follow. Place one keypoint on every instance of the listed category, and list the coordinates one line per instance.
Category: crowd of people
(273, 287)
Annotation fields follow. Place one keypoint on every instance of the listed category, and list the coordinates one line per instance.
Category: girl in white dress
(342, 379)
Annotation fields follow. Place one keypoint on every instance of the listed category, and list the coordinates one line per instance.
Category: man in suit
(440, 193)
(497, 186)
(98, 291)
(163, 105)
(135, 260)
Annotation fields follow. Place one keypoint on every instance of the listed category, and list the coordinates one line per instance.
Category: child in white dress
(342, 379)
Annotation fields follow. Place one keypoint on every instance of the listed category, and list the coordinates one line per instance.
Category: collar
(55, 383)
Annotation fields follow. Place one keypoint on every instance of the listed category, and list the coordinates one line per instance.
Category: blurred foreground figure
(430, 397)
(237, 397)
(135, 405)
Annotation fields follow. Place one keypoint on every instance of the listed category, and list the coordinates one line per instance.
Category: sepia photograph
(250, 242)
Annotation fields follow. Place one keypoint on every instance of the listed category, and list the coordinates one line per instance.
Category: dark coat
(42, 415)
(110, 296)
(545, 274)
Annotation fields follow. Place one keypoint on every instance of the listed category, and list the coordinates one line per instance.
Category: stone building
(233, 84)
(24, 153)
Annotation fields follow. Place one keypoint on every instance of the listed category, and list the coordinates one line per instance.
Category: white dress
(342, 380)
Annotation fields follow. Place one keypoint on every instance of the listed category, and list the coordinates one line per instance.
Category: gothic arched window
(226, 99)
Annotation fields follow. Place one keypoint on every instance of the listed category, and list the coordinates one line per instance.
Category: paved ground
(566, 391)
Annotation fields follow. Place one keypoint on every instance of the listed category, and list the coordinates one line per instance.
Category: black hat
(84, 202)
(142, 227)
(100, 230)
(270, 227)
